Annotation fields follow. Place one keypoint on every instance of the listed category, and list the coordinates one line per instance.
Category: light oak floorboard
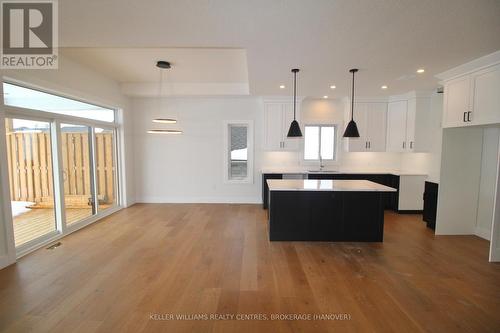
(216, 258)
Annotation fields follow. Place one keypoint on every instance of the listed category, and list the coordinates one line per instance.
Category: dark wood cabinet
(430, 204)
(326, 216)
(326, 210)
(364, 216)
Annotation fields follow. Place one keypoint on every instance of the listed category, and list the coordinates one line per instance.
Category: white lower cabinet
(278, 115)
(411, 191)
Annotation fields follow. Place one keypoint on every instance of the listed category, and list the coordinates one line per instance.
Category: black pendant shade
(294, 131)
(351, 130)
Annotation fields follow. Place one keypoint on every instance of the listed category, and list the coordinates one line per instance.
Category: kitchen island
(326, 210)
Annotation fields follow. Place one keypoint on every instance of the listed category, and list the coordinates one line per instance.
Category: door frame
(54, 119)
(494, 255)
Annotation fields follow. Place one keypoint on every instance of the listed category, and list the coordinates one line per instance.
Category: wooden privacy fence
(30, 167)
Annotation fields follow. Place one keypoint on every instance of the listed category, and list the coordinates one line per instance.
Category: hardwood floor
(131, 270)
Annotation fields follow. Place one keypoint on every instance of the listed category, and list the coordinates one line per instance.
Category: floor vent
(53, 246)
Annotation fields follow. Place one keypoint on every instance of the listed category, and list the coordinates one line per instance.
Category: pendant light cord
(294, 92)
(352, 99)
(160, 88)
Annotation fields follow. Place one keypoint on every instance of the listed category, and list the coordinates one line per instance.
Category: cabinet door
(326, 216)
(457, 94)
(289, 143)
(358, 144)
(486, 97)
(376, 116)
(396, 126)
(411, 190)
(273, 122)
(410, 125)
(425, 127)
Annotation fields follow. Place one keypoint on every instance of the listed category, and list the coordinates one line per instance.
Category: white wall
(189, 167)
(486, 200)
(75, 80)
(459, 181)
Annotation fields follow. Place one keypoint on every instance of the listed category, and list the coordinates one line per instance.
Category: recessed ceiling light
(333, 87)
(420, 70)
(384, 87)
(282, 87)
(325, 97)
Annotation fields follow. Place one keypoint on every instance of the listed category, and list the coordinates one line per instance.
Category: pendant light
(351, 130)
(294, 131)
(161, 64)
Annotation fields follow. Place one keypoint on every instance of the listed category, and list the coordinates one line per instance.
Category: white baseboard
(232, 200)
(483, 233)
(495, 256)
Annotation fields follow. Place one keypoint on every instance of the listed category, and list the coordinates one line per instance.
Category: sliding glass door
(76, 145)
(62, 164)
(29, 158)
(105, 167)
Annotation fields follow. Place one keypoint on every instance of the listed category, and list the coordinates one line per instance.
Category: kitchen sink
(322, 171)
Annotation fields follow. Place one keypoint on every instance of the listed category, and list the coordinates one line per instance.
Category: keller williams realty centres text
(249, 316)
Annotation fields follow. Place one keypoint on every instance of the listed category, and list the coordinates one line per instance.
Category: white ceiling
(194, 71)
(387, 39)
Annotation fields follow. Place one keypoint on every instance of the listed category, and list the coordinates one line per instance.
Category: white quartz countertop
(327, 185)
(312, 170)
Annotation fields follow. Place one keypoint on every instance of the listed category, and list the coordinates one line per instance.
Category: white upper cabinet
(278, 116)
(376, 126)
(486, 96)
(472, 93)
(411, 122)
(273, 123)
(408, 124)
(371, 121)
(289, 143)
(457, 102)
(396, 126)
(357, 144)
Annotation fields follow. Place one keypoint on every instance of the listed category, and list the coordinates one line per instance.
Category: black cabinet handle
(468, 116)
(369, 144)
(366, 144)
(411, 144)
(465, 113)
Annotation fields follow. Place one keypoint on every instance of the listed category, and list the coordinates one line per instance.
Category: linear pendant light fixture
(351, 130)
(294, 131)
(161, 64)
(165, 121)
(164, 131)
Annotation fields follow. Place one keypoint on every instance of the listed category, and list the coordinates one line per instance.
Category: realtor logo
(29, 34)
